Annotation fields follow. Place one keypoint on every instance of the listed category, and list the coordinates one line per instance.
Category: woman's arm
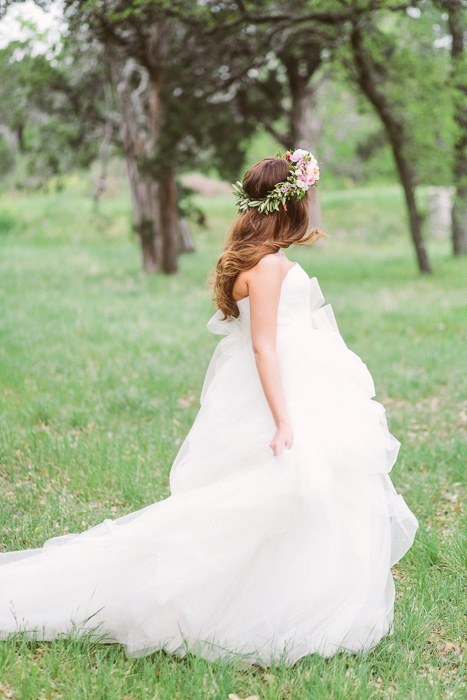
(264, 287)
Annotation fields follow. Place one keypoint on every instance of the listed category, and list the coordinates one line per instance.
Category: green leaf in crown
(303, 174)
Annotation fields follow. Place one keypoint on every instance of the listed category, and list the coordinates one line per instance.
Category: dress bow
(322, 317)
(228, 326)
(235, 337)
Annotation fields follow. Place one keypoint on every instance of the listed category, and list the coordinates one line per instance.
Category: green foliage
(226, 76)
(7, 223)
(52, 108)
(7, 159)
(353, 145)
(424, 95)
(411, 62)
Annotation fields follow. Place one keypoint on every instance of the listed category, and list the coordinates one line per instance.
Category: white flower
(302, 184)
(298, 154)
(305, 156)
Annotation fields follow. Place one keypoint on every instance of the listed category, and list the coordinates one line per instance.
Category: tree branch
(279, 136)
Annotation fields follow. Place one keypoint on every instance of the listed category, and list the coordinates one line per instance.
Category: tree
(305, 37)
(147, 56)
(236, 45)
(195, 80)
(274, 61)
(151, 57)
(136, 47)
(457, 28)
(51, 110)
(371, 73)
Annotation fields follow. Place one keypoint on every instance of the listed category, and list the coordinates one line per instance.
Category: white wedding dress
(266, 557)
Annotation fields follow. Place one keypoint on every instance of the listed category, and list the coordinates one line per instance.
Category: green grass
(100, 373)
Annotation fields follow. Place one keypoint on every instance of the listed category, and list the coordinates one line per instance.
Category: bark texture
(303, 128)
(138, 87)
(459, 83)
(144, 188)
(368, 80)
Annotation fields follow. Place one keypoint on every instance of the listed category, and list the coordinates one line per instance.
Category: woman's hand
(282, 438)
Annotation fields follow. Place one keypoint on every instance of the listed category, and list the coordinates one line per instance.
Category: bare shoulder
(269, 266)
(265, 278)
(268, 269)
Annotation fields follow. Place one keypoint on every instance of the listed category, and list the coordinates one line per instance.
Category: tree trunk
(145, 215)
(170, 226)
(459, 83)
(308, 137)
(20, 136)
(169, 219)
(304, 130)
(368, 81)
(104, 152)
(186, 241)
(144, 187)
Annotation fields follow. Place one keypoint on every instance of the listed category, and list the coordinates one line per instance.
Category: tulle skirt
(252, 556)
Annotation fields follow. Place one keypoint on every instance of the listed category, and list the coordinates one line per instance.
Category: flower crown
(303, 173)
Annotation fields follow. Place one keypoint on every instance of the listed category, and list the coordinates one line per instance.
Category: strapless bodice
(294, 302)
(301, 302)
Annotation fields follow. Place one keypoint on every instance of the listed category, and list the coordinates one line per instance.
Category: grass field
(100, 373)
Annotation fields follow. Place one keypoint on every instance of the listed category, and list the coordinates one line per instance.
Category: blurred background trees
(377, 90)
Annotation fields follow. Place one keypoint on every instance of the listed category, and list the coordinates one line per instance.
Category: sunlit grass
(100, 373)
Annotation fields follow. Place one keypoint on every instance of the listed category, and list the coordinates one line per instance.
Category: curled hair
(256, 234)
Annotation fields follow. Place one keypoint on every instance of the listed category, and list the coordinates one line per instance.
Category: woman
(282, 525)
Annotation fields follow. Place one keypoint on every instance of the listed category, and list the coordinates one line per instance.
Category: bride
(282, 526)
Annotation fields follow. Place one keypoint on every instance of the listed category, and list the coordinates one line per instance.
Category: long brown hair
(254, 235)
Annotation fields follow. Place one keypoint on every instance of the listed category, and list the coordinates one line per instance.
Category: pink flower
(298, 154)
(288, 155)
(312, 172)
